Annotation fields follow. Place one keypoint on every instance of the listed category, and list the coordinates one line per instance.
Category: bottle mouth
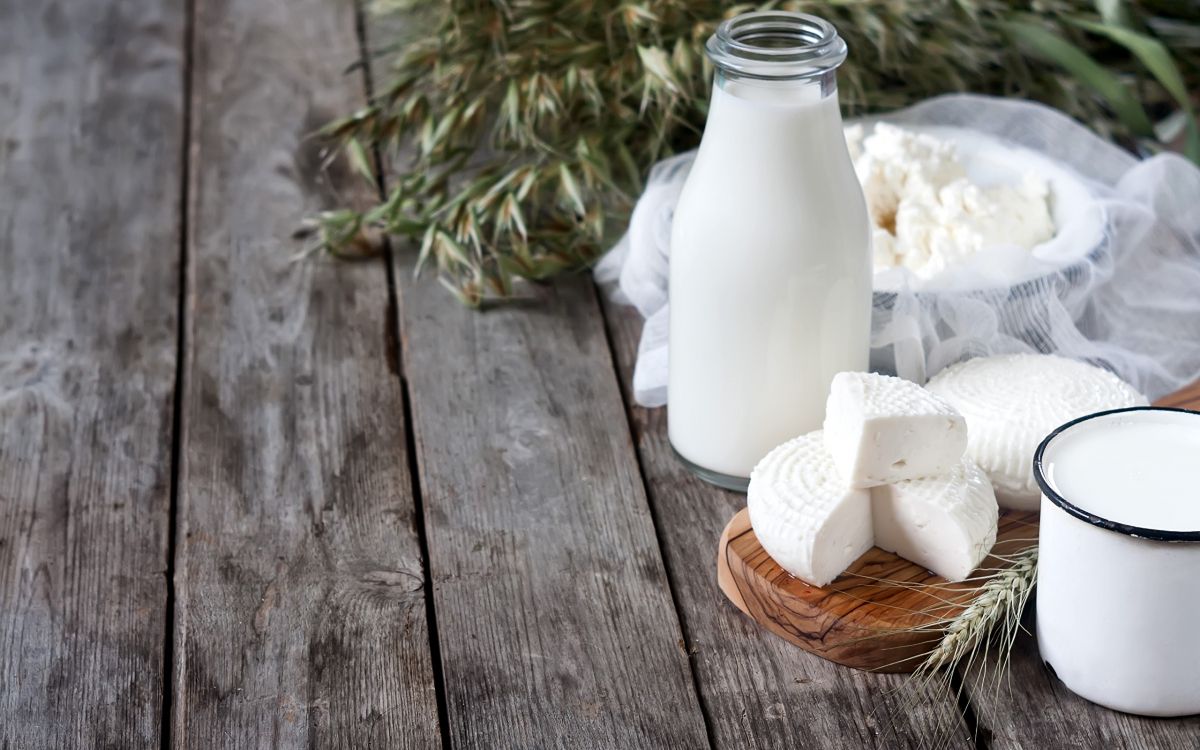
(776, 45)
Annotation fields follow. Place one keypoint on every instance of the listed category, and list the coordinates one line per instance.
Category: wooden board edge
(738, 525)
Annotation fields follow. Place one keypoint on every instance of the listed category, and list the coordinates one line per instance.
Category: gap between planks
(395, 353)
(181, 320)
(688, 640)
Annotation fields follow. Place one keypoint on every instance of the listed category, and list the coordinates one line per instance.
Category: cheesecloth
(1118, 286)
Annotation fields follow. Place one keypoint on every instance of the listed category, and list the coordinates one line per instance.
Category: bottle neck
(781, 120)
(786, 91)
(794, 56)
(775, 89)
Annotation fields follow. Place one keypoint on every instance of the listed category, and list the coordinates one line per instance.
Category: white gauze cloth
(1118, 286)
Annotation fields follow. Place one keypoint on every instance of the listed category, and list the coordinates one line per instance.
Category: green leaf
(426, 137)
(426, 248)
(1075, 61)
(347, 124)
(511, 265)
(681, 58)
(445, 124)
(510, 109)
(527, 184)
(636, 15)
(405, 227)
(499, 186)
(359, 160)
(467, 298)
(452, 248)
(572, 189)
(501, 281)
(1191, 147)
(512, 210)
(633, 173)
(1114, 13)
(1151, 52)
(658, 64)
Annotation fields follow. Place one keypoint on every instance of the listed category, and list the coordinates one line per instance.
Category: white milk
(770, 284)
(1139, 468)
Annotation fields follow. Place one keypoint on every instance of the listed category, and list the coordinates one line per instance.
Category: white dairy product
(881, 429)
(1137, 468)
(770, 275)
(804, 515)
(926, 212)
(1011, 402)
(946, 523)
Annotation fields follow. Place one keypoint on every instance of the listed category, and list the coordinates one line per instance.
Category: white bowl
(1078, 217)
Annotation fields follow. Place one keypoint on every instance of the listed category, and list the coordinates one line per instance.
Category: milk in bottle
(770, 272)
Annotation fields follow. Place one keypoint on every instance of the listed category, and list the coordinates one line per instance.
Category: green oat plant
(517, 133)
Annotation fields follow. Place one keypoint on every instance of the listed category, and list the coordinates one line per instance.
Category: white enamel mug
(1118, 603)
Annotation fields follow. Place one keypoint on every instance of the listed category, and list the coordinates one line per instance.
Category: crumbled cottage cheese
(927, 213)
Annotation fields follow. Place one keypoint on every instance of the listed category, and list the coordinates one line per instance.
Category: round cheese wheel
(807, 518)
(1011, 402)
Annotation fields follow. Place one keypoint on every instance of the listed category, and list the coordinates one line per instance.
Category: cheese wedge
(1011, 402)
(804, 514)
(881, 429)
(946, 524)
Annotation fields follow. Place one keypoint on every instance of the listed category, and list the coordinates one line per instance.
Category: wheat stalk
(998, 605)
(984, 631)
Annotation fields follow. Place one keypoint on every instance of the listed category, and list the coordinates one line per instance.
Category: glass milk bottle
(770, 272)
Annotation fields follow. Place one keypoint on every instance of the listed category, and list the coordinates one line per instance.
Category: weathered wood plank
(1032, 707)
(91, 127)
(301, 615)
(555, 622)
(759, 691)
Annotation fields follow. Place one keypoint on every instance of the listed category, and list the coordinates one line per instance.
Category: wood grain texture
(1033, 710)
(91, 127)
(555, 623)
(883, 613)
(758, 690)
(300, 615)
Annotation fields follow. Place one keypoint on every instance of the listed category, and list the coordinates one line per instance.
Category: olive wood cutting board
(867, 616)
(882, 614)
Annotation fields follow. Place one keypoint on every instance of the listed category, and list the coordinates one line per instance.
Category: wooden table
(248, 502)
